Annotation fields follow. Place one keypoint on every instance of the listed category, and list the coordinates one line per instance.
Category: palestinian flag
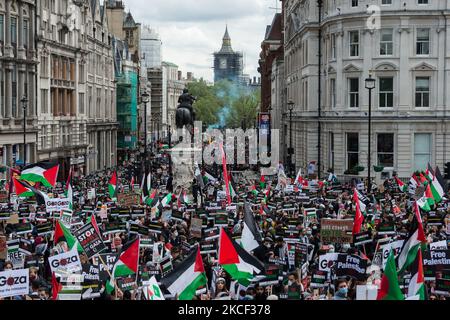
(24, 190)
(21, 190)
(362, 200)
(44, 172)
(56, 287)
(93, 221)
(69, 190)
(390, 289)
(403, 187)
(417, 282)
(225, 175)
(299, 178)
(251, 238)
(151, 199)
(187, 277)
(429, 195)
(437, 191)
(112, 185)
(254, 191)
(240, 264)
(423, 204)
(440, 178)
(359, 218)
(145, 188)
(412, 244)
(126, 264)
(167, 200)
(262, 182)
(332, 178)
(184, 198)
(62, 233)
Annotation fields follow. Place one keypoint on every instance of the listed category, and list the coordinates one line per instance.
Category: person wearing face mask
(341, 290)
(261, 252)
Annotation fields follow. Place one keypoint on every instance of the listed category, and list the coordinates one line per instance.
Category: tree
(244, 111)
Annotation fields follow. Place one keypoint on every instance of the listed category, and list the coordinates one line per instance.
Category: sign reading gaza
(57, 204)
(90, 240)
(14, 283)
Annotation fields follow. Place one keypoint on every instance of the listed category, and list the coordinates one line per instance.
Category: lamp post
(145, 96)
(24, 102)
(291, 151)
(370, 85)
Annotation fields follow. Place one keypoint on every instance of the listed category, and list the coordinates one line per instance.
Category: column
(8, 51)
(20, 47)
(31, 31)
(20, 91)
(8, 90)
(8, 155)
(31, 111)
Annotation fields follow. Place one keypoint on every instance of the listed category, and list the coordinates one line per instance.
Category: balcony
(66, 84)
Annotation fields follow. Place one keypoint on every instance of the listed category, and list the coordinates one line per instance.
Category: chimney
(180, 75)
(189, 76)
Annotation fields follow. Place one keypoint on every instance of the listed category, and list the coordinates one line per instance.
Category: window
(352, 150)
(44, 100)
(14, 31)
(333, 93)
(354, 43)
(422, 92)
(386, 92)
(422, 150)
(331, 150)
(353, 84)
(2, 94)
(385, 2)
(423, 41)
(333, 46)
(81, 103)
(25, 33)
(44, 67)
(385, 150)
(2, 29)
(386, 42)
(354, 3)
(14, 91)
(422, 2)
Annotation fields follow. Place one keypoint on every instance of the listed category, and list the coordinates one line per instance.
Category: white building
(408, 54)
(150, 48)
(173, 86)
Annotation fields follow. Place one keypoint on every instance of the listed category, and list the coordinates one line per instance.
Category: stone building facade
(407, 53)
(18, 61)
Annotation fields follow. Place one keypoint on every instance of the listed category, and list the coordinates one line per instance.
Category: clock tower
(228, 64)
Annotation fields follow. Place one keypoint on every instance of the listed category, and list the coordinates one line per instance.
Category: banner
(362, 238)
(57, 204)
(328, 261)
(440, 245)
(152, 291)
(67, 262)
(319, 279)
(395, 246)
(90, 240)
(44, 229)
(14, 283)
(351, 266)
(336, 231)
(435, 261)
(196, 228)
(128, 199)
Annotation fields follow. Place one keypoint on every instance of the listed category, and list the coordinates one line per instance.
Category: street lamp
(145, 98)
(291, 151)
(24, 102)
(370, 85)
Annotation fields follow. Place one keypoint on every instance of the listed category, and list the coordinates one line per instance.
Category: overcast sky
(191, 30)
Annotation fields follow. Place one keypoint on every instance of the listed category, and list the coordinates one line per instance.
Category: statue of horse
(185, 115)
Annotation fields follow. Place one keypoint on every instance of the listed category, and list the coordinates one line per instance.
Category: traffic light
(447, 170)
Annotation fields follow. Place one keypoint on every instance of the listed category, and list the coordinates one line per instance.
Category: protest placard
(128, 199)
(328, 261)
(44, 229)
(14, 283)
(67, 262)
(196, 228)
(90, 240)
(362, 238)
(57, 204)
(114, 227)
(3, 248)
(14, 255)
(351, 266)
(105, 264)
(336, 231)
(91, 281)
(139, 229)
(435, 261)
(395, 246)
(319, 279)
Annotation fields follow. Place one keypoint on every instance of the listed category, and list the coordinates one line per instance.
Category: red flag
(56, 287)
(359, 218)
(225, 175)
(132, 182)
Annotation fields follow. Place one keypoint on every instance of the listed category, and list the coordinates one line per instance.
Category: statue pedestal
(183, 166)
